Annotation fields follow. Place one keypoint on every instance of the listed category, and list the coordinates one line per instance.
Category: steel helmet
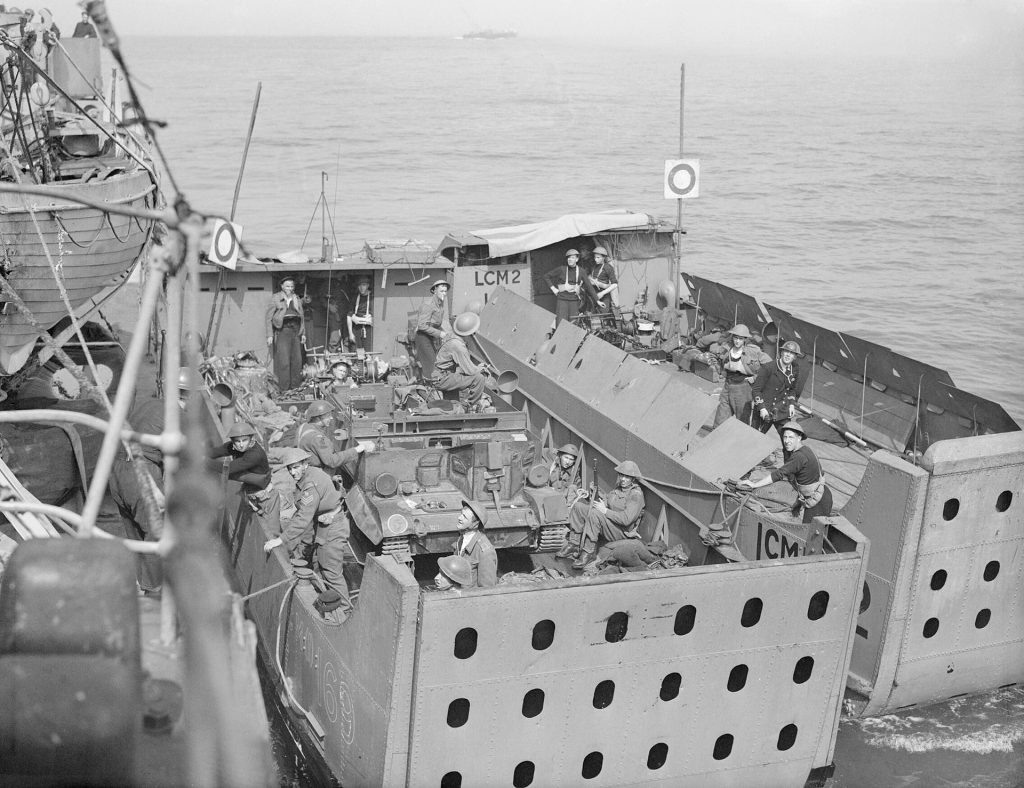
(188, 380)
(571, 252)
(569, 449)
(319, 408)
(456, 568)
(341, 363)
(437, 284)
(475, 307)
(629, 468)
(466, 324)
(740, 330)
(793, 426)
(292, 456)
(240, 430)
(792, 347)
(478, 510)
(600, 250)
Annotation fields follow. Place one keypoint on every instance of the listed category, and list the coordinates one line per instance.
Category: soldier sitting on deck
(476, 547)
(614, 519)
(319, 528)
(312, 438)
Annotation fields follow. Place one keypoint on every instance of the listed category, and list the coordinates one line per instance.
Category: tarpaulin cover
(503, 241)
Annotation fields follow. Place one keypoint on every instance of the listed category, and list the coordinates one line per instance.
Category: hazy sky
(883, 26)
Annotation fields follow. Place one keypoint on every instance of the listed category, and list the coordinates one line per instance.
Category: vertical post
(677, 267)
(323, 215)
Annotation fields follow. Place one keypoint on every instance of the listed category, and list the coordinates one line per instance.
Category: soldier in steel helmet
(616, 518)
(602, 278)
(319, 529)
(802, 470)
(776, 388)
(286, 334)
(454, 370)
(312, 437)
(455, 572)
(341, 378)
(431, 327)
(250, 466)
(565, 473)
(740, 362)
(475, 547)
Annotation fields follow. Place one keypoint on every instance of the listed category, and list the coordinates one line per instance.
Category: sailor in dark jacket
(567, 283)
(776, 389)
(319, 526)
(250, 466)
(476, 547)
(286, 333)
(802, 470)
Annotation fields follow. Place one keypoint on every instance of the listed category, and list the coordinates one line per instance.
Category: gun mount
(406, 501)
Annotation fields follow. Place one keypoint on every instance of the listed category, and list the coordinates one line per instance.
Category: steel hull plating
(428, 688)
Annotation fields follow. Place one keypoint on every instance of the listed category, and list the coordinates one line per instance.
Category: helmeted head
(295, 461)
(629, 473)
(789, 351)
(439, 289)
(466, 324)
(241, 435)
(600, 254)
(472, 516)
(319, 411)
(455, 570)
(572, 256)
(341, 370)
(792, 435)
(567, 455)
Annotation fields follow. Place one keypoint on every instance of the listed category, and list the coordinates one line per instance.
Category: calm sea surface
(882, 198)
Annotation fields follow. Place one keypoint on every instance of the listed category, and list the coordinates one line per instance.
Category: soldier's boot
(568, 550)
(584, 558)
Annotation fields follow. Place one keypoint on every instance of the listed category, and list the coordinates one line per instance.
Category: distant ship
(490, 33)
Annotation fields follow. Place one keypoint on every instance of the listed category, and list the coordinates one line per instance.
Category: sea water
(880, 197)
(884, 198)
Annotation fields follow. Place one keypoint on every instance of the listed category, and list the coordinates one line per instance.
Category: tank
(406, 501)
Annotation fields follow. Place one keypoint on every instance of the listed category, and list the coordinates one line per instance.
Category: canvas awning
(503, 241)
